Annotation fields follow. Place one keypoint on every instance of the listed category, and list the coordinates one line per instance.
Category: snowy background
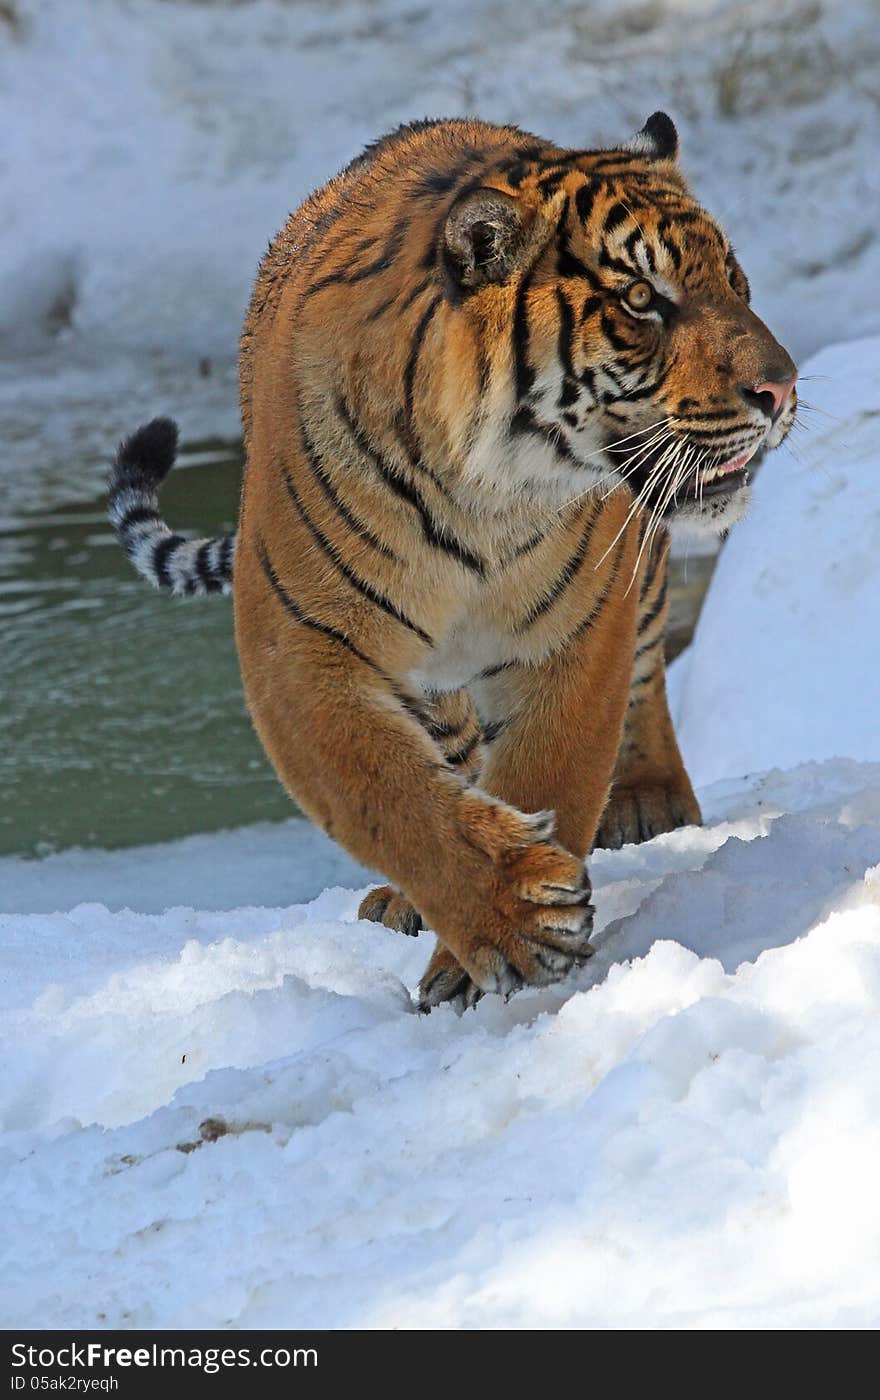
(218, 1105)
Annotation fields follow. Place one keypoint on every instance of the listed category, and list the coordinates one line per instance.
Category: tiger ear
(657, 140)
(486, 237)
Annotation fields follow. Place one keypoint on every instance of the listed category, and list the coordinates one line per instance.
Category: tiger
(483, 381)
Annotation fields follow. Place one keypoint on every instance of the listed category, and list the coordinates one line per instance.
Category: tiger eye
(639, 296)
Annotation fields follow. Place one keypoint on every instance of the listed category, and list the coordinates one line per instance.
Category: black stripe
(651, 564)
(412, 364)
(645, 391)
(588, 377)
(442, 729)
(609, 374)
(617, 214)
(297, 612)
(496, 670)
(516, 169)
(350, 274)
(648, 646)
(568, 265)
(591, 305)
(354, 523)
(586, 198)
(405, 424)
(651, 616)
(566, 332)
(524, 375)
(612, 335)
(524, 421)
(526, 548)
(639, 682)
(383, 262)
(448, 544)
(593, 615)
(393, 300)
(463, 754)
(413, 294)
(716, 434)
(711, 415)
(384, 305)
(138, 515)
(328, 280)
(206, 576)
(438, 181)
(630, 242)
(492, 730)
(366, 589)
(607, 259)
(671, 247)
(549, 183)
(227, 550)
(563, 579)
(614, 161)
(161, 552)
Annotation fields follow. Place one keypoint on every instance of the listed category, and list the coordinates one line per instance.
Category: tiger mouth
(723, 480)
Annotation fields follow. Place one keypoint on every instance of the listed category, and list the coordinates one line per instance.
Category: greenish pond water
(122, 718)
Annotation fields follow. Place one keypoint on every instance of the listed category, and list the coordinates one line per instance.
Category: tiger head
(633, 357)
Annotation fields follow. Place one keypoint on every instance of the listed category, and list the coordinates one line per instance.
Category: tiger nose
(779, 392)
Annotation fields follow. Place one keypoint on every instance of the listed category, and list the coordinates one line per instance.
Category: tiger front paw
(524, 916)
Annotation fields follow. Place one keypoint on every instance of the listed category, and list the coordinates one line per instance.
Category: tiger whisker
(615, 472)
(676, 473)
(633, 461)
(641, 498)
(814, 408)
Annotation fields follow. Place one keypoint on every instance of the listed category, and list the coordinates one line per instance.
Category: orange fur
(385, 574)
(480, 376)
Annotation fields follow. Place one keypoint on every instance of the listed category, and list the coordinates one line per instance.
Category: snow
(182, 133)
(140, 195)
(785, 665)
(288, 861)
(218, 1106)
(237, 1119)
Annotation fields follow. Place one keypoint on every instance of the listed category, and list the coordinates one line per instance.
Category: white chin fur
(715, 515)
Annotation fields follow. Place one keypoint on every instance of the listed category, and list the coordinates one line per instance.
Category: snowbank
(230, 1115)
(275, 863)
(182, 133)
(785, 663)
(237, 1119)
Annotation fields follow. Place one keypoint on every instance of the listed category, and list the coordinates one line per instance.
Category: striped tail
(166, 560)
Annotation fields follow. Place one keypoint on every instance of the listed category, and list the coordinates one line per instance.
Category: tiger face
(637, 361)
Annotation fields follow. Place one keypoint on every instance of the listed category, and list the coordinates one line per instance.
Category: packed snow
(198, 126)
(152, 147)
(219, 1106)
(238, 1119)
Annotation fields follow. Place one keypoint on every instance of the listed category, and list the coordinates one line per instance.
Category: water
(123, 719)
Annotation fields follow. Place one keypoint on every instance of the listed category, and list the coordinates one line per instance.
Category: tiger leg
(453, 721)
(651, 791)
(557, 729)
(490, 879)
